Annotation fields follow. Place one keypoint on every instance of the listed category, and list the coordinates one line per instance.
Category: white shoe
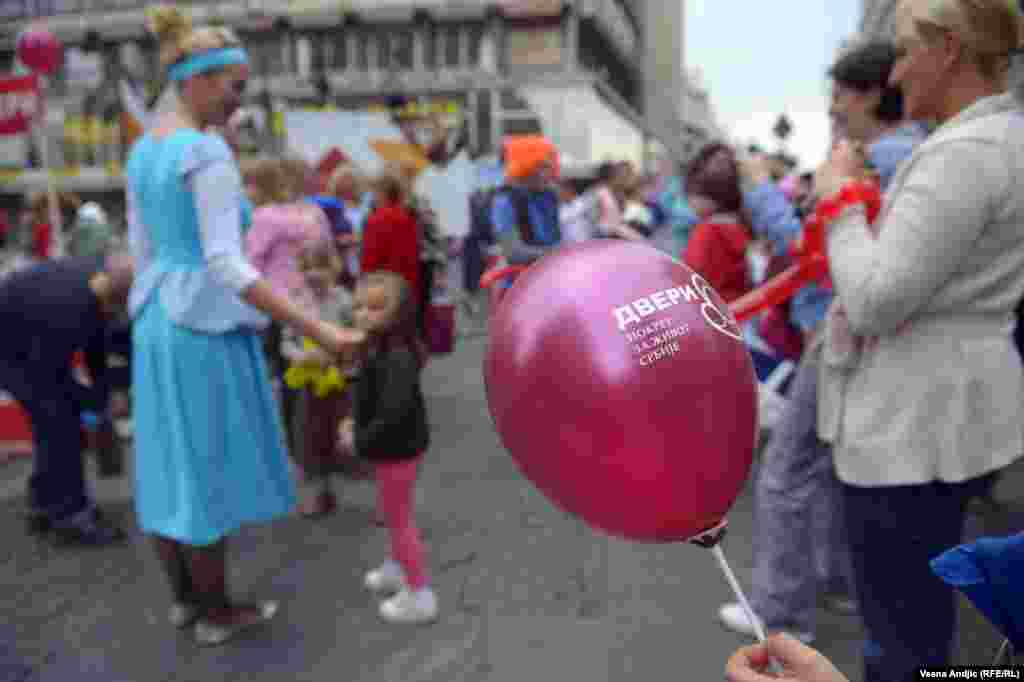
(410, 608)
(387, 578)
(733, 617)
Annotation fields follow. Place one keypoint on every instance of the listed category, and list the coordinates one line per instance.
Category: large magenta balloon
(619, 382)
(40, 51)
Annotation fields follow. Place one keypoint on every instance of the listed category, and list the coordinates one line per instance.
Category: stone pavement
(527, 593)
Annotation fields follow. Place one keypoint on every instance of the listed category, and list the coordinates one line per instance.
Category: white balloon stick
(738, 591)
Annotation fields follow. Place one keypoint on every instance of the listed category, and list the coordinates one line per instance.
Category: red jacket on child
(717, 251)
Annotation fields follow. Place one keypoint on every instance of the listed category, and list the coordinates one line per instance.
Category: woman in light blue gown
(210, 449)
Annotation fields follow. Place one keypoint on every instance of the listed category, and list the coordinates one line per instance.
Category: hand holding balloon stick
(619, 382)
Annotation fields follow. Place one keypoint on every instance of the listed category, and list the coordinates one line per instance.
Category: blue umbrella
(990, 572)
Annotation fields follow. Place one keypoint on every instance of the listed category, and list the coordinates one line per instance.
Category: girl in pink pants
(390, 430)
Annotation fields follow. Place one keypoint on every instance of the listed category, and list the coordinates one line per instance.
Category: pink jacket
(277, 233)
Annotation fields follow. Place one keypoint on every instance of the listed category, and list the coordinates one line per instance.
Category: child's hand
(315, 357)
(340, 340)
(347, 434)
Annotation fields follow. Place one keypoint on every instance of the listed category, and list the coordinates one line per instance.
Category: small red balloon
(40, 51)
(619, 382)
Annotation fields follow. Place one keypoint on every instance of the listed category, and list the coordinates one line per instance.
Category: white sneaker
(387, 578)
(410, 608)
(733, 617)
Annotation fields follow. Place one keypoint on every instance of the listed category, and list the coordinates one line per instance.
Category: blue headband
(207, 61)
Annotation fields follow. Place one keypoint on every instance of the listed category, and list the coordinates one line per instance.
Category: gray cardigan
(941, 399)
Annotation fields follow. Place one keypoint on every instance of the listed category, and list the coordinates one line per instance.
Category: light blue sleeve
(772, 215)
(503, 215)
(217, 187)
(809, 306)
(889, 153)
(138, 241)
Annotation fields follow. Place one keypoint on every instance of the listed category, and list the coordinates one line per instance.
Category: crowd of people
(258, 293)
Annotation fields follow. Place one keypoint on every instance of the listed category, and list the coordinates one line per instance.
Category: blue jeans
(53, 402)
(895, 531)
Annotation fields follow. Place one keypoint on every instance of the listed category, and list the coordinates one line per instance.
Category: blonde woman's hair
(269, 177)
(991, 30)
(179, 40)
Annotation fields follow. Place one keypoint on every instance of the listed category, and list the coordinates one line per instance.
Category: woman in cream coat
(922, 391)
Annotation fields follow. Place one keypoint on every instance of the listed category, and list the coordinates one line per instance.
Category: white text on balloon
(652, 342)
(648, 305)
(722, 321)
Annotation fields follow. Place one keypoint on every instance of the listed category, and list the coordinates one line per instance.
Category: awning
(583, 127)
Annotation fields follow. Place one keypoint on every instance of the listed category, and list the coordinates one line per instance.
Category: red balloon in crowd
(40, 51)
(619, 382)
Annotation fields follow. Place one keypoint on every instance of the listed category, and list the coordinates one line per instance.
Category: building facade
(877, 18)
(596, 76)
(700, 122)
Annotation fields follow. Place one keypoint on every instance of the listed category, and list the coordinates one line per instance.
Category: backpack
(482, 234)
(482, 203)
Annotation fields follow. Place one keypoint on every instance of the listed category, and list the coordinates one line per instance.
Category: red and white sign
(20, 104)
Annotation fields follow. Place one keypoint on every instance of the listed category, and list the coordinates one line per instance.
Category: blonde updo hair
(178, 40)
(269, 178)
(991, 30)
(296, 173)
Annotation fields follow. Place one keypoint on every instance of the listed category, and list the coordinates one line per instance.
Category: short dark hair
(866, 67)
(714, 173)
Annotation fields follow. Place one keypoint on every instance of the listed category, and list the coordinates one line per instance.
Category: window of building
(522, 126)
(484, 123)
(374, 41)
(403, 42)
(596, 55)
(383, 51)
(452, 53)
(339, 50)
(362, 40)
(320, 52)
(303, 56)
(287, 45)
(394, 49)
(474, 38)
(488, 59)
(511, 101)
(431, 38)
(265, 52)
